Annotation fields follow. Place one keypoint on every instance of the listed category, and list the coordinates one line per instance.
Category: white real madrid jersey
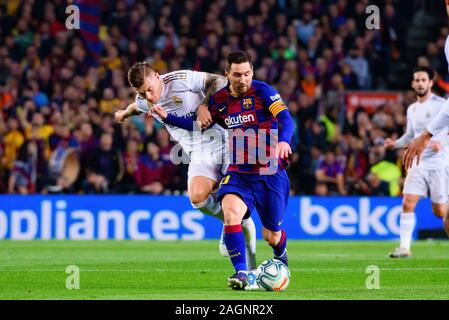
(418, 116)
(182, 92)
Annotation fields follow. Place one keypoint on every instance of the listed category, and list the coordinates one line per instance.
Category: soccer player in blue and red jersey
(260, 132)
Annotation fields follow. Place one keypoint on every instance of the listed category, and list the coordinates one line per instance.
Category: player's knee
(439, 212)
(231, 216)
(408, 205)
(198, 195)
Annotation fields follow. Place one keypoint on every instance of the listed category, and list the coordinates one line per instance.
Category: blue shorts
(268, 194)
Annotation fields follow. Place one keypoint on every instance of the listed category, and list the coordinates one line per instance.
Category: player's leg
(234, 209)
(236, 199)
(446, 220)
(201, 183)
(249, 230)
(439, 209)
(278, 241)
(407, 222)
(271, 204)
(415, 187)
(200, 194)
(438, 181)
(200, 189)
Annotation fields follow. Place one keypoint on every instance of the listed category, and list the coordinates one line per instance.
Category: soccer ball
(273, 275)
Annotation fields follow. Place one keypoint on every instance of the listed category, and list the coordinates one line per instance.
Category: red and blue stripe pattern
(256, 111)
(90, 12)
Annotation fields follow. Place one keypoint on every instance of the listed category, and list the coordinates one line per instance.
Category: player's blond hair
(138, 72)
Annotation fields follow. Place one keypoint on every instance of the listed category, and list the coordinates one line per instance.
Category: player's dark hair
(137, 73)
(430, 72)
(237, 57)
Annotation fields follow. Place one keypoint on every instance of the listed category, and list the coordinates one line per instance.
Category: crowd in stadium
(57, 97)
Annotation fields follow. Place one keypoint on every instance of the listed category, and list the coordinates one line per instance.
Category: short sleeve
(196, 80)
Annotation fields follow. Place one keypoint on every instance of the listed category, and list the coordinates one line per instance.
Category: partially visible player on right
(431, 174)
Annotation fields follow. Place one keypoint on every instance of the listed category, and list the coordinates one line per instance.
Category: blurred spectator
(359, 65)
(385, 170)
(313, 52)
(105, 167)
(149, 175)
(23, 175)
(330, 172)
(131, 165)
(374, 186)
(13, 139)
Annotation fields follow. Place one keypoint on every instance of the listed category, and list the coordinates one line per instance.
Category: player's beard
(240, 89)
(421, 93)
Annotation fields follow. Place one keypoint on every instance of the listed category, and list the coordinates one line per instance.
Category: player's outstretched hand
(415, 149)
(284, 150)
(203, 116)
(436, 146)
(158, 110)
(389, 143)
(120, 115)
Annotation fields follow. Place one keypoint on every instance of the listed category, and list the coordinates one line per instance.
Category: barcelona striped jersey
(254, 127)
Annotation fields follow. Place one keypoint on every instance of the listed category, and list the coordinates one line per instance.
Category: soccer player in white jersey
(431, 174)
(180, 93)
(439, 123)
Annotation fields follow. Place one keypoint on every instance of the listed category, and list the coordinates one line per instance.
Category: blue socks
(235, 243)
(279, 249)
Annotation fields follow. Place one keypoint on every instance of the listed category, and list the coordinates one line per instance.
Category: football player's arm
(437, 143)
(131, 110)
(407, 137)
(168, 118)
(212, 83)
(417, 146)
(287, 126)
(280, 111)
(439, 122)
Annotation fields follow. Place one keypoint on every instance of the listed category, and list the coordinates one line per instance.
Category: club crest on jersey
(428, 114)
(247, 103)
(177, 100)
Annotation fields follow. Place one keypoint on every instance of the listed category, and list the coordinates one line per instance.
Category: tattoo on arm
(214, 82)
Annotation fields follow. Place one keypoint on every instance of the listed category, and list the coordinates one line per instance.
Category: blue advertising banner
(172, 218)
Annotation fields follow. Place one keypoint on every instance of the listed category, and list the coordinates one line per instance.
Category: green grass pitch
(195, 270)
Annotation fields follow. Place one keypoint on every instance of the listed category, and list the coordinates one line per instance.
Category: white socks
(210, 207)
(249, 230)
(406, 225)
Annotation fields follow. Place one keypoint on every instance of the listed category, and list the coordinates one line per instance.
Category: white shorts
(212, 171)
(423, 182)
(210, 163)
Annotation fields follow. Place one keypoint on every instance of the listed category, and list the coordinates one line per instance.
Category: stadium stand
(59, 88)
